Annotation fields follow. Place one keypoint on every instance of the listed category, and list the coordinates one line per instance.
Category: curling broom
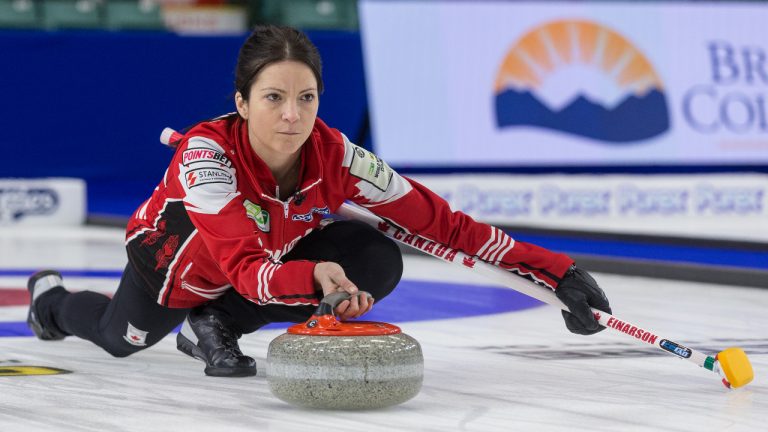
(731, 364)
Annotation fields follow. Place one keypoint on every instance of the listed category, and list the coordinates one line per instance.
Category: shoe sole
(186, 346)
(230, 372)
(32, 322)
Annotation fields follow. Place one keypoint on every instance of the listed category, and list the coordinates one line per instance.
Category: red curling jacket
(214, 222)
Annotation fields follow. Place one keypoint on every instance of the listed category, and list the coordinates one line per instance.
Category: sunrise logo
(581, 78)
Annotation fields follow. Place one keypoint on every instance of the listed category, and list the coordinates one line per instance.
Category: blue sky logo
(581, 78)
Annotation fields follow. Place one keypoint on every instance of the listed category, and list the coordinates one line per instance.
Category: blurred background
(631, 135)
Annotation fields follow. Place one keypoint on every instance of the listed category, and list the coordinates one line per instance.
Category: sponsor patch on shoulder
(198, 155)
(367, 166)
(201, 176)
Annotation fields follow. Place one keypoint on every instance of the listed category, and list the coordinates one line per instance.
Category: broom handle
(524, 286)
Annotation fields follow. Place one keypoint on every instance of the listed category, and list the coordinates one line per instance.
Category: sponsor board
(52, 201)
(188, 18)
(572, 83)
(724, 206)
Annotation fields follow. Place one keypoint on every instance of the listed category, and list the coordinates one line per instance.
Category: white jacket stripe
(481, 252)
(505, 250)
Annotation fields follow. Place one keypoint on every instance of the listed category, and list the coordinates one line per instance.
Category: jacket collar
(257, 171)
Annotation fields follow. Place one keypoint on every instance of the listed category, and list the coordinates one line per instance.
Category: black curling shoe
(44, 282)
(204, 337)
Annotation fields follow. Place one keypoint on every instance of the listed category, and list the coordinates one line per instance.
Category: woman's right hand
(330, 277)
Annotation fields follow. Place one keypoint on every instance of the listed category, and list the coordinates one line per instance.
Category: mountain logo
(584, 79)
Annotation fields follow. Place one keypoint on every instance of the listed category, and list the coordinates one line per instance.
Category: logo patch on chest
(307, 217)
(258, 214)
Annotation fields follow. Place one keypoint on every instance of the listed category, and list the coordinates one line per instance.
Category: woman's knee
(124, 339)
(382, 262)
(392, 260)
(371, 260)
(122, 349)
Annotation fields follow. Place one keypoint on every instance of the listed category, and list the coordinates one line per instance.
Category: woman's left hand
(356, 306)
(579, 291)
(330, 277)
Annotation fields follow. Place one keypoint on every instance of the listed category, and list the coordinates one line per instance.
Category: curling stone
(326, 363)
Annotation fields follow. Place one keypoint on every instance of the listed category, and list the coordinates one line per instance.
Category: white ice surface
(504, 372)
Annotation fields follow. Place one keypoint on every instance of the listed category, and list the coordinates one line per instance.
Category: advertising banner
(493, 83)
(714, 206)
(49, 202)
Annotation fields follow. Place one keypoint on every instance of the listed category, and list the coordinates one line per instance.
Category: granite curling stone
(325, 363)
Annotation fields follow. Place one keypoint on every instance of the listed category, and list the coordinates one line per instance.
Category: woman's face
(281, 108)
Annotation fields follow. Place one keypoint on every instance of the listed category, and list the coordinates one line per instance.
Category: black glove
(578, 290)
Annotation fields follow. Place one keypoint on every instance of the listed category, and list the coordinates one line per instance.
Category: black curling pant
(133, 320)
(129, 322)
(370, 260)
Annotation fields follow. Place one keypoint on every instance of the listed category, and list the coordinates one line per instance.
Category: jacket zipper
(286, 204)
(285, 216)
